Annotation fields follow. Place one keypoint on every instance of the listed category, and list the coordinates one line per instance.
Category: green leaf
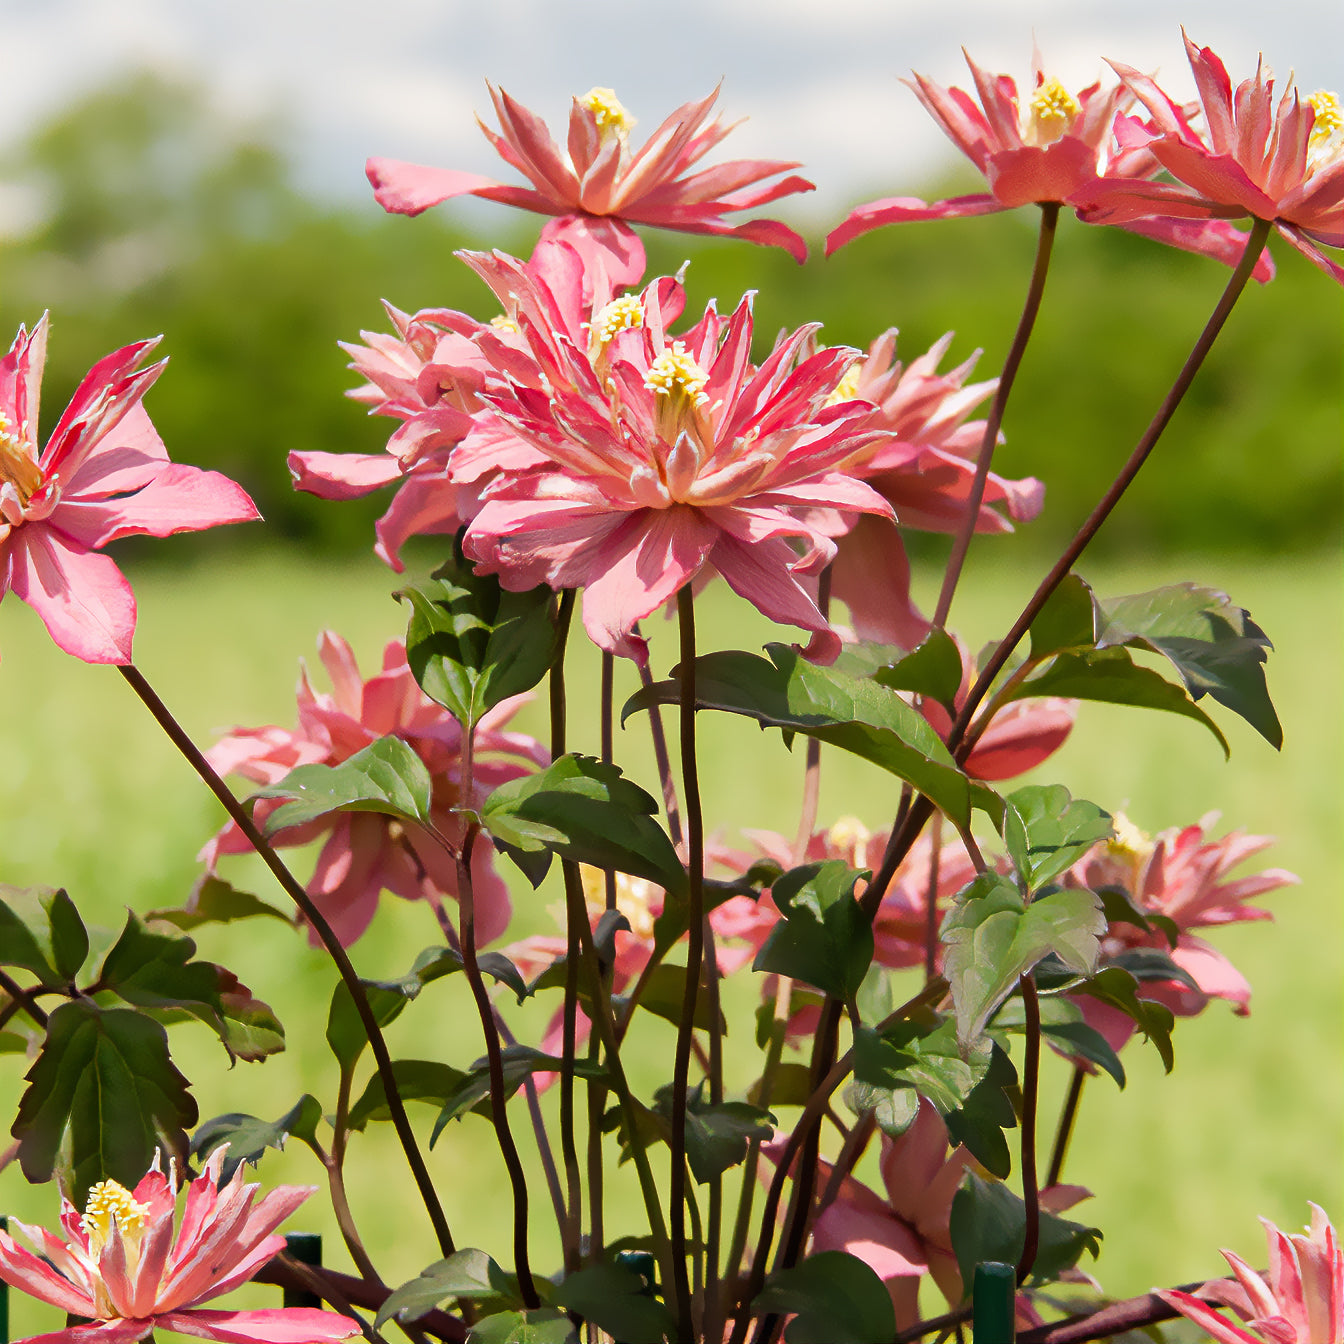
(248, 1138)
(851, 713)
(835, 1299)
(1067, 621)
(673, 919)
(1111, 676)
(387, 776)
(1215, 646)
(584, 810)
(465, 1274)
(417, 1080)
(824, 939)
(1046, 831)
(992, 937)
(616, 1300)
(791, 1086)
(717, 1136)
(1063, 1026)
(989, 1223)
(913, 1058)
(932, 669)
(664, 995)
(155, 970)
(250, 1029)
(214, 901)
(545, 1325)
(978, 1123)
(41, 931)
(106, 1076)
(435, 962)
(345, 1028)
(1121, 908)
(471, 643)
(1115, 986)
(518, 1062)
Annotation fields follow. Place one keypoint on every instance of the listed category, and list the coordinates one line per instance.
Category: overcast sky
(819, 79)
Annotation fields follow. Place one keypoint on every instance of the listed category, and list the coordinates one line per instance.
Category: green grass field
(1248, 1124)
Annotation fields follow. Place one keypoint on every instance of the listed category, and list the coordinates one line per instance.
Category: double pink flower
(598, 186)
(640, 461)
(104, 474)
(123, 1269)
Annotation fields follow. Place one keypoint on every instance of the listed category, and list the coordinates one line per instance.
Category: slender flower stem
(335, 1165)
(1031, 1072)
(931, 899)
(662, 759)
(1255, 244)
(498, 1091)
(400, 1121)
(20, 998)
(713, 1327)
(576, 912)
(1068, 1114)
(807, 819)
(1035, 289)
(695, 915)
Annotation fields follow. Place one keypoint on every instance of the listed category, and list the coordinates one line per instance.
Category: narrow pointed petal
(408, 188)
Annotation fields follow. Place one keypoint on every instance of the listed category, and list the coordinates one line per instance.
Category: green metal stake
(305, 1247)
(992, 1303)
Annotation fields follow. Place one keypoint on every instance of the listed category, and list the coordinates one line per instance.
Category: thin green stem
(989, 441)
(662, 759)
(382, 1058)
(335, 1165)
(695, 915)
(1067, 1115)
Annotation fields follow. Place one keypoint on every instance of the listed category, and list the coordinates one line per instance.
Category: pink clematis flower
(123, 1269)
(1179, 877)
(1049, 145)
(600, 186)
(923, 468)
(104, 474)
(1300, 1301)
(427, 376)
(365, 852)
(903, 1233)
(1283, 163)
(663, 461)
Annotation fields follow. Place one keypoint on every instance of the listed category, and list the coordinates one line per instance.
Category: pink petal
(278, 1325)
(1211, 1322)
(871, 576)
(342, 475)
(408, 188)
(23, 1270)
(115, 1331)
(82, 598)
(903, 210)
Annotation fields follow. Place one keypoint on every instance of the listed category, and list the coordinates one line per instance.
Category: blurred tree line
(154, 216)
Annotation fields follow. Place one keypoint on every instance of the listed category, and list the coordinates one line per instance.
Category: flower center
(18, 461)
(110, 1200)
(848, 386)
(1129, 846)
(619, 315)
(505, 324)
(849, 838)
(679, 384)
(1052, 110)
(633, 899)
(1327, 130)
(608, 114)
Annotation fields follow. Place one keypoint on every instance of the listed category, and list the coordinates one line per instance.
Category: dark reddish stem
(400, 1121)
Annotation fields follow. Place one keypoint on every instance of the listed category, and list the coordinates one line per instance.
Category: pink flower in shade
(600, 186)
(1181, 877)
(124, 1270)
(365, 852)
(923, 467)
(1051, 145)
(902, 1234)
(104, 474)
(1299, 1301)
(428, 376)
(664, 460)
(1282, 162)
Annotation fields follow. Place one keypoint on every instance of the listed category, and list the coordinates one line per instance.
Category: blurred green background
(153, 220)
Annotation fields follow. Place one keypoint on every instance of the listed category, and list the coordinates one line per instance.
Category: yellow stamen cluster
(674, 373)
(110, 1200)
(848, 386)
(1129, 845)
(1053, 109)
(608, 112)
(1329, 115)
(850, 837)
(504, 324)
(18, 465)
(632, 898)
(619, 315)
